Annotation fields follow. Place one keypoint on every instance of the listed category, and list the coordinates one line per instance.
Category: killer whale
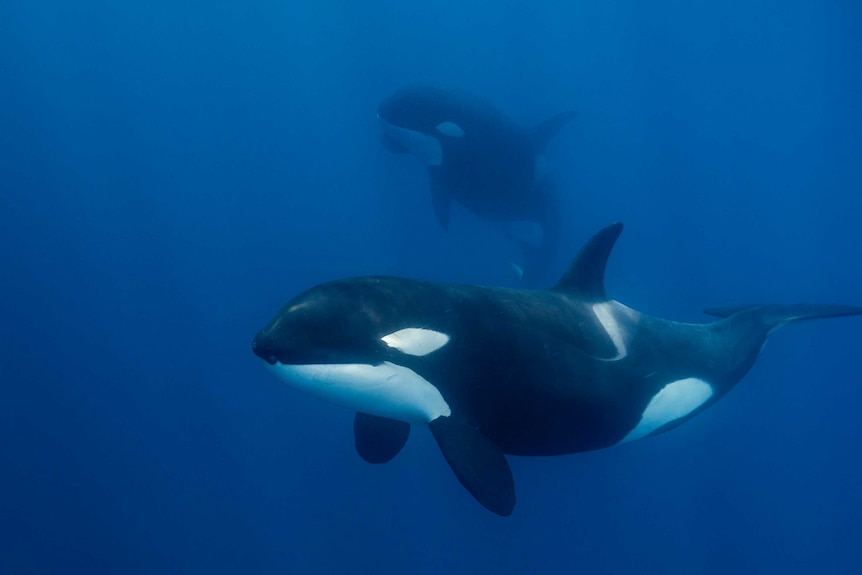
(478, 157)
(496, 371)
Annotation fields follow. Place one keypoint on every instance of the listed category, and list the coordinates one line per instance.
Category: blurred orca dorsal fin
(585, 276)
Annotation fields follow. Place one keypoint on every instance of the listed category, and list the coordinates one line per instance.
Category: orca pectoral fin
(379, 439)
(543, 133)
(478, 463)
(441, 199)
(392, 145)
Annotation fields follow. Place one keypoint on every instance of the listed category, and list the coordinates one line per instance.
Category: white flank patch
(451, 129)
(605, 314)
(423, 146)
(676, 399)
(416, 340)
(387, 390)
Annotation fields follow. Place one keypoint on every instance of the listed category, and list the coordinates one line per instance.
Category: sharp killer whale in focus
(496, 371)
(478, 157)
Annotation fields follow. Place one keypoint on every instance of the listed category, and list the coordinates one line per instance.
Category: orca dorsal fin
(586, 274)
(543, 132)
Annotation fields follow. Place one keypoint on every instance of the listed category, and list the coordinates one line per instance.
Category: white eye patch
(451, 129)
(416, 340)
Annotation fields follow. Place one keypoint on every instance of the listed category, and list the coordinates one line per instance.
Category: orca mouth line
(274, 361)
(273, 356)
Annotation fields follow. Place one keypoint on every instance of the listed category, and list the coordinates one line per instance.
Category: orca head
(419, 119)
(322, 325)
(346, 342)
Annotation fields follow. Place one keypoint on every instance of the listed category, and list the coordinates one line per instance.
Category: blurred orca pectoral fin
(390, 144)
(539, 239)
(528, 235)
(544, 132)
(537, 245)
(478, 463)
(440, 198)
(379, 439)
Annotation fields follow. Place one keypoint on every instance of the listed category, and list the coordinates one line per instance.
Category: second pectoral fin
(478, 462)
(379, 439)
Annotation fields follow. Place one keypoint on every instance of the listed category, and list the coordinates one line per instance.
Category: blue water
(172, 172)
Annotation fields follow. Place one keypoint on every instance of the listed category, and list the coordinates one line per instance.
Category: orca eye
(416, 340)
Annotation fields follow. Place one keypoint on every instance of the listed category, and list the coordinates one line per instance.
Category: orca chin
(385, 390)
(261, 351)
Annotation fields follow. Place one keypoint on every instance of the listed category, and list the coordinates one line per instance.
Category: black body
(531, 372)
(493, 167)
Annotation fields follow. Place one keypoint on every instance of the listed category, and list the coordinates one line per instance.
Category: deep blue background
(172, 172)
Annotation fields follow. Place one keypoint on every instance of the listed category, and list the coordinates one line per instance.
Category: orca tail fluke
(775, 316)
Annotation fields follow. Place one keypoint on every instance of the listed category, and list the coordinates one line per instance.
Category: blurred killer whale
(481, 159)
(523, 372)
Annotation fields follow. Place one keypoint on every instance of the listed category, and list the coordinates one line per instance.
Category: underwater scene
(401, 287)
